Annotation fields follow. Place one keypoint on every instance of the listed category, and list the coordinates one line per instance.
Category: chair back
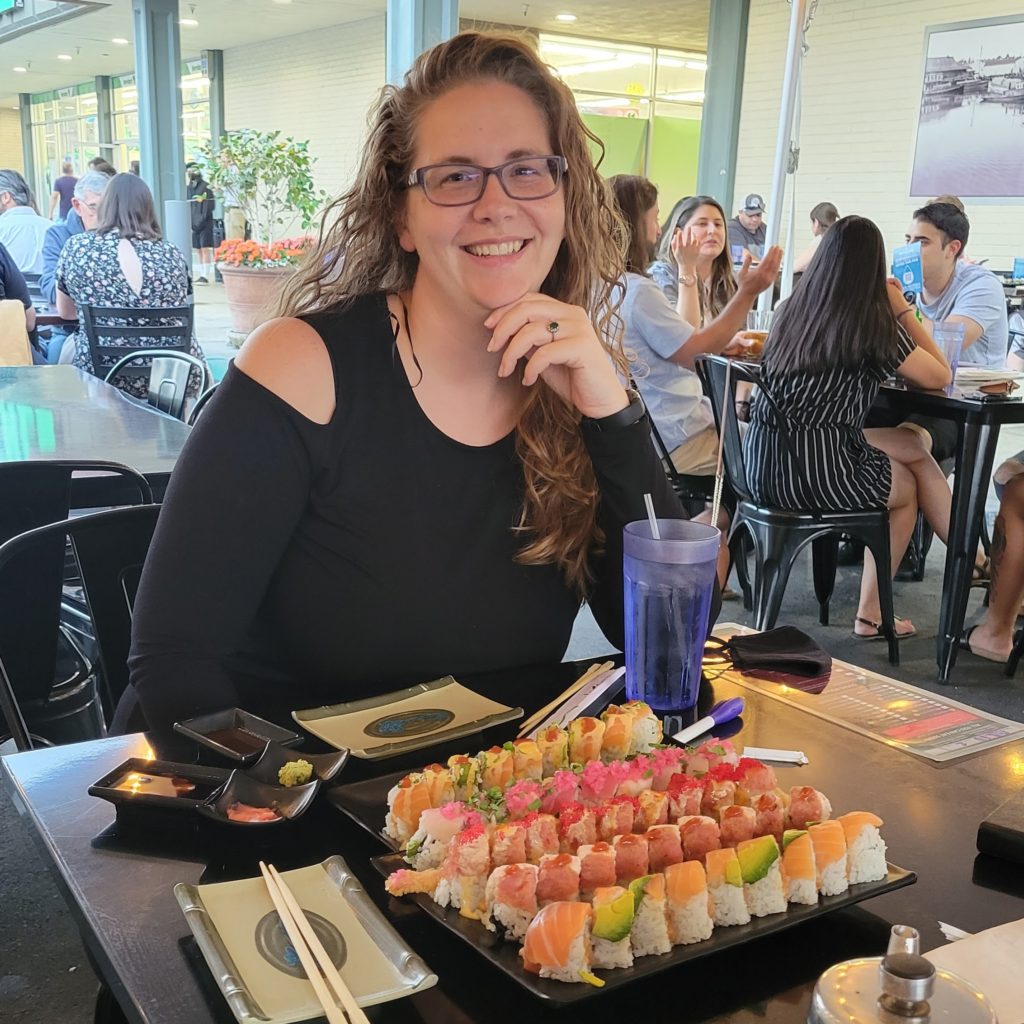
(110, 548)
(33, 495)
(719, 377)
(169, 376)
(201, 403)
(35, 291)
(116, 331)
(14, 345)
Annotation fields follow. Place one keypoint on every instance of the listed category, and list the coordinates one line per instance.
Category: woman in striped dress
(843, 331)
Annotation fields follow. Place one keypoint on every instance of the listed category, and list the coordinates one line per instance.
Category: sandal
(964, 643)
(981, 575)
(877, 633)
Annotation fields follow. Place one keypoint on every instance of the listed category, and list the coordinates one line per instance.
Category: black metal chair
(200, 404)
(116, 331)
(169, 375)
(57, 681)
(693, 490)
(779, 535)
(110, 548)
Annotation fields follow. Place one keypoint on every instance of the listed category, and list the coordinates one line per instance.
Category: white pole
(793, 167)
(797, 20)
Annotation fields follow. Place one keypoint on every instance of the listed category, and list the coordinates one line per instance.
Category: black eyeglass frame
(559, 165)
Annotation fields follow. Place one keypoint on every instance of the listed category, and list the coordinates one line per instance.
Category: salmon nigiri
(798, 867)
(865, 846)
(406, 802)
(829, 842)
(557, 943)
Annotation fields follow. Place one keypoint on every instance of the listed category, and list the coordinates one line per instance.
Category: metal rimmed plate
(241, 939)
(505, 955)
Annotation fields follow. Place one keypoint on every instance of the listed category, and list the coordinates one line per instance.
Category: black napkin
(785, 649)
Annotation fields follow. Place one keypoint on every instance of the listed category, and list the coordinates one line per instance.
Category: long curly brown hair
(358, 253)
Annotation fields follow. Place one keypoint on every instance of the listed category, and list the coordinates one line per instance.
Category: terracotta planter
(251, 293)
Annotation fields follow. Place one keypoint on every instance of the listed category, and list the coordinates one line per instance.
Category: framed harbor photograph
(970, 131)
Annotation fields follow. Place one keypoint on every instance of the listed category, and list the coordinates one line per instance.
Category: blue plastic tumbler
(668, 587)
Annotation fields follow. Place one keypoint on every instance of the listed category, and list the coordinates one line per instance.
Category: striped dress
(829, 466)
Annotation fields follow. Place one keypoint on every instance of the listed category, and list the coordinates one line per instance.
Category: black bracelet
(633, 413)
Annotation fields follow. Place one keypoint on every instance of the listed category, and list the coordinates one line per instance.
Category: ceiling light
(119, 41)
(188, 23)
(63, 56)
(565, 17)
(20, 69)
(282, 1)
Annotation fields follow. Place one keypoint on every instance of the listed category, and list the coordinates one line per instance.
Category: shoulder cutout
(288, 357)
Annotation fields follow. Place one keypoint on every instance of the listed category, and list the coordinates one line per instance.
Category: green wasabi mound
(295, 773)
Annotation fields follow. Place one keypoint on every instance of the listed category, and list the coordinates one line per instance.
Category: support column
(28, 156)
(213, 62)
(723, 95)
(104, 118)
(157, 78)
(414, 26)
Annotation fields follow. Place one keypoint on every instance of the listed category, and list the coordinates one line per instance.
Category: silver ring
(553, 328)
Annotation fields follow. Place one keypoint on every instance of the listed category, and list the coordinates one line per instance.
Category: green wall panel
(623, 139)
(673, 167)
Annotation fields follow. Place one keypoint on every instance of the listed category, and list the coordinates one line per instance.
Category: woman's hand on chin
(559, 345)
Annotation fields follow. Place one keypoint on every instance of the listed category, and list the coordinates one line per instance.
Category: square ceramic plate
(242, 940)
(396, 723)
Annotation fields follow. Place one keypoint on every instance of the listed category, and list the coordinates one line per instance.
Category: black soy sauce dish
(236, 734)
(270, 762)
(289, 804)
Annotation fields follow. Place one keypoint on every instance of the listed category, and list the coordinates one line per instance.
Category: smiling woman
(430, 453)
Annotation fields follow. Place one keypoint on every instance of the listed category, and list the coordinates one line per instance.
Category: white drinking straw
(649, 502)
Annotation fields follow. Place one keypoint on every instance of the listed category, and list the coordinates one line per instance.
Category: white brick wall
(861, 94)
(315, 86)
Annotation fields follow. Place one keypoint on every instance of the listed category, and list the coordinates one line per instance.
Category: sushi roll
(865, 848)
(637, 776)
(464, 873)
(407, 800)
(807, 806)
(650, 929)
(554, 750)
(647, 732)
(718, 752)
(798, 868)
(830, 859)
(558, 878)
(760, 868)
(666, 762)
(559, 791)
(614, 912)
(598, 782)
(725, 887)
(719, 791)
(464, 772)
(541, 836)
(585, 736)
(527, 762)
(577, 826)
(653, 808)
(618, 732)
(737, 824)
(495, 768)
(687, 903)
(511, 899)
(522, 797)
(508, 843)
(631, 857)
(597, 866)
(429, 843)
(405, 882)
(684, 795)
(664, 847)
(439, 782)
(771, 814)
(557, 943)
(752, 778)
(699, 834)
(616, 817)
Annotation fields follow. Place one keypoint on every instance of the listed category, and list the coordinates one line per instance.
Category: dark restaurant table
(60, 412)
(120, 893)
(978, 422)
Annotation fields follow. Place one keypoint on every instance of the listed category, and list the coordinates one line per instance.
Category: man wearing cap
(746, 229)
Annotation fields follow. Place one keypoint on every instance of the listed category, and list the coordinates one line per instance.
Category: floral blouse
(88, 271)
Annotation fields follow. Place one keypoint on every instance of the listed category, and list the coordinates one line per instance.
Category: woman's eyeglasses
(530, 177)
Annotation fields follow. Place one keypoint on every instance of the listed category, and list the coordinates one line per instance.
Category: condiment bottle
(898, 988)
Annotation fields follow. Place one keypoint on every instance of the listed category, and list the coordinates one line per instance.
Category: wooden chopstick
(537, 717)
(332, 1011)
(334, 978)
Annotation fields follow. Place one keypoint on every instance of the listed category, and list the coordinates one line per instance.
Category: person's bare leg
(902, 513)
(723, 549)
(993, 638)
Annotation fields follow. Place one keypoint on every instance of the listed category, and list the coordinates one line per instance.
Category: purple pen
(723, 711)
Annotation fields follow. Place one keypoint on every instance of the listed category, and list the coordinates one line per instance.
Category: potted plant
(270, 179)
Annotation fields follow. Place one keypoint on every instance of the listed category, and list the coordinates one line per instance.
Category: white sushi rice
(608, 954)
(650, 930)
(833, 878)
(690, 922)
(801, 890)
(645, 734)
(429, 851)
(767, 896)
(578, 960)
(514, 920)
(866, 856)
(729, 906)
